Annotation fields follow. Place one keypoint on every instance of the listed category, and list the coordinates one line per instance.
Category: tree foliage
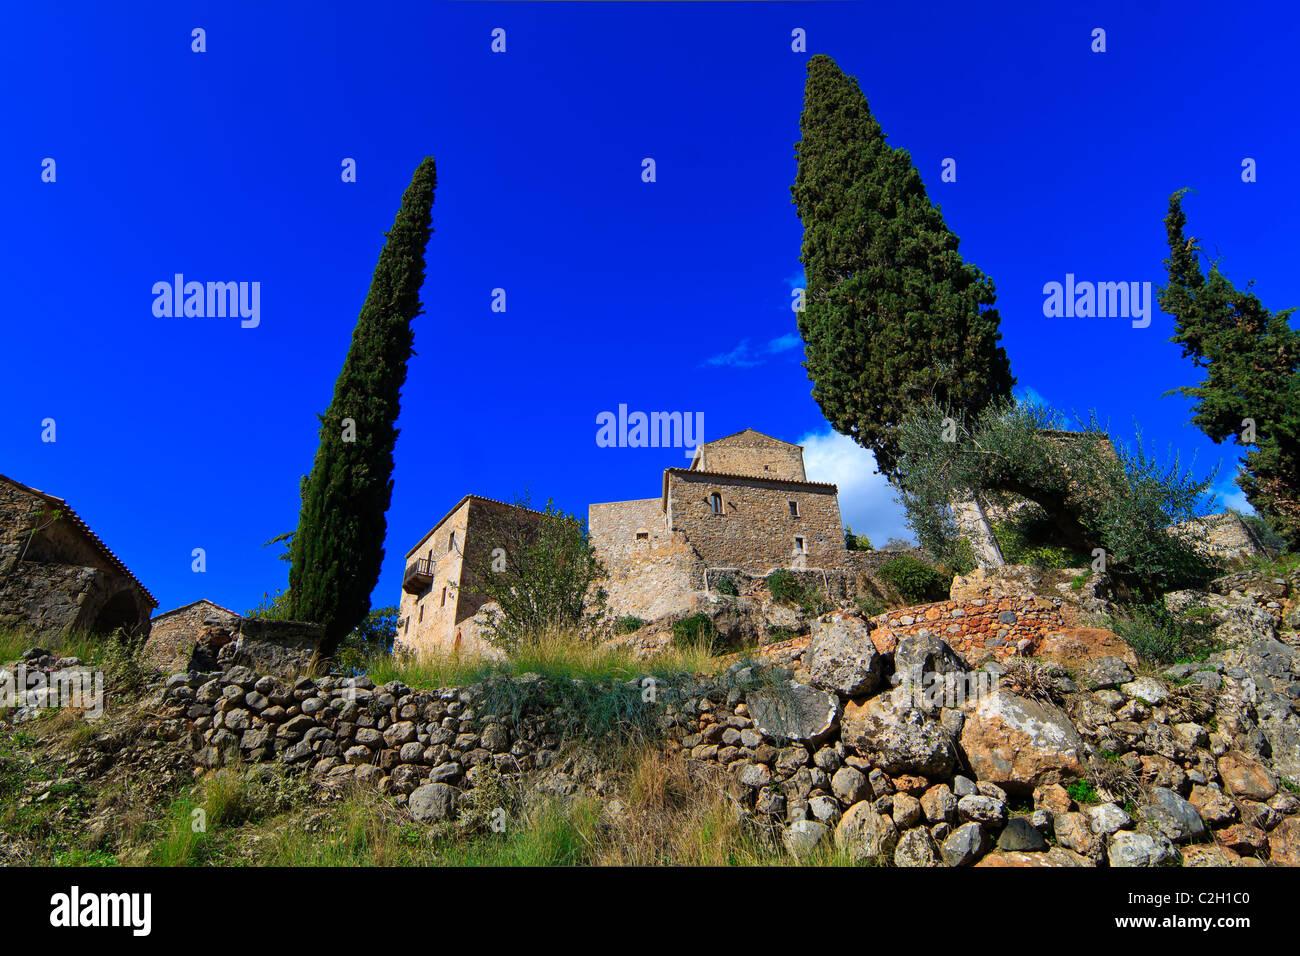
(1093, 493)
(1252, 361)
(538, 568)
(893, 315)
(338, 546)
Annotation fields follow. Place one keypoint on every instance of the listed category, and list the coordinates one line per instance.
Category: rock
(916, 848)
(1243, 839)
(1172, 816)
(1213, 806)
(1052, 797)
(755, 775)
(963, 846)
(433, 802)
(1107, 818)
(1074, 832)
(1284, 843)
(402, 732)
(1130, 848)
(907, 811)
(803, 837)
(899, 738)
(920, 655)
(1246, 777)
(1106, 672)
(850, 786)
(977, 808)
(939, 804)
(797, 712)
(1146, 689)
(866, 834)
(1078, 647)
(1020, 744)
(1055, 857)
(1019, 834)
(841, 656)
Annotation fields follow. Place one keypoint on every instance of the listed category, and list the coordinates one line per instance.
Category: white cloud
(746, 356)
(866, 499)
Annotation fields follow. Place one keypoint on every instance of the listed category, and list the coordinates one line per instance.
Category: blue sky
(181, 433)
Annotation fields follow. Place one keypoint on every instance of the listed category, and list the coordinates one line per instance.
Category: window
(643, 535)
(799, 546)
(421, 615)
(406, 625)
(715, 503)
(794, 509)
(444, 597)
(451, 541)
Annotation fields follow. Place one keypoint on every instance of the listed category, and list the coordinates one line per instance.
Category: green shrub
(915, 581)
(1159, 637)
(725, 585)
(856, 542)
(784, 586)
(871, 606)
(1081, 791)
(694, 630)
(626, 625)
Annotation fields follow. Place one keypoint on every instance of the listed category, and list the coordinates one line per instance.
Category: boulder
(1106, 672)
(920, 655)
(1131, 848)
(865, 834)
(1019, 834)
(898, 737)
(794, 712)
(803, 837)
(1078, 647)
(963, 846)
(1055, 857)
(1020, 744)
(433, 802)
(1247, 777)
(841, 656)
(916, 848)
(1173, 816)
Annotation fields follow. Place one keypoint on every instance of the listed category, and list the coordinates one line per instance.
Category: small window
(799, 546)
(643, 535)
(406, 625)
(715, 503)
(794, 509)
(421, 614)
(451, 541)
(444, 597)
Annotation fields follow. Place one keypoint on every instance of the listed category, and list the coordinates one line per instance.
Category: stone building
(56, 575)
(172, 633)
(745, 505)
(439, 608)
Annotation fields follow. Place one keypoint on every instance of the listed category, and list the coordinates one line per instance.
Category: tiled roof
(696, 473)
(104, 549)
(457, 506)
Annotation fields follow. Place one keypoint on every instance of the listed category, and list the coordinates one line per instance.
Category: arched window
(715, 503)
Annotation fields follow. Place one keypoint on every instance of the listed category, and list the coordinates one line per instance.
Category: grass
(1158, 637)
(14, 641)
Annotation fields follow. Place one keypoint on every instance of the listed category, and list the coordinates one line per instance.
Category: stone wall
(54, 578)
(751, 453)
(1222, 538)
(652, 572)
(755, 531)
(427, 620)
(172, 635)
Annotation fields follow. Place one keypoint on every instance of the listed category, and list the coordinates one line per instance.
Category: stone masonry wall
(172, 635)
(756, 532)
(750, 453)
(427, 621)
(652, 571)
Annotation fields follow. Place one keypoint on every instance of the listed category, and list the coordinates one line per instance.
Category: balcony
(418, 577)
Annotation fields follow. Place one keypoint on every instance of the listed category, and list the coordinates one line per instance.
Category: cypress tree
(893, 315)
(1251, 391)
(338, 547)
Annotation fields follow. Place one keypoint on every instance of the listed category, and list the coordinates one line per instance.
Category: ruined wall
(651, 570)
(1221, 538)
(750, 453)
(756, 531)
(172, 635)
(63, 582)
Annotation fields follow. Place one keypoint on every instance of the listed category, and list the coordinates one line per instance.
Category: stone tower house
(745, 504)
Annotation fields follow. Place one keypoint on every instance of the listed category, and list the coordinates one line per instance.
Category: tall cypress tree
(339, 544)
(1252, 361)
(893, 315)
